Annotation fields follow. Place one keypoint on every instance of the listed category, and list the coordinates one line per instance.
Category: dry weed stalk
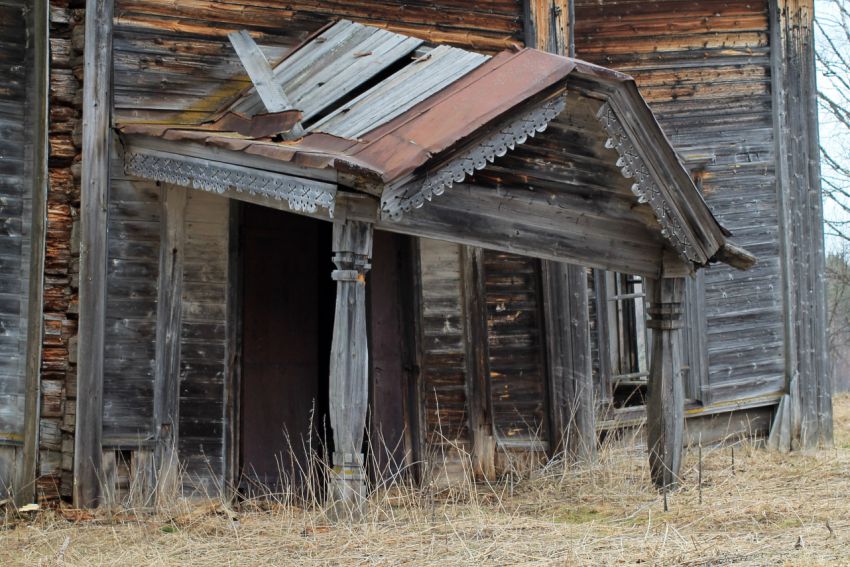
(600, 511)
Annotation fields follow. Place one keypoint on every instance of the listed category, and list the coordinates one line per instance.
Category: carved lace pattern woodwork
(300, 195)
(397, 201)
(644, 187)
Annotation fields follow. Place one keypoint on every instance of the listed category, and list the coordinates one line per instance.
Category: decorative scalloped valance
(645, 187)
(300, 194)
(398, 200)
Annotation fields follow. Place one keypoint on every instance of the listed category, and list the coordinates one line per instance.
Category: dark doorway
(287, 319)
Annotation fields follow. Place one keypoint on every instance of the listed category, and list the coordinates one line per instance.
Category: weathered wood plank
(93, 250)
(568, 340)
(258, 68)
(478, 379)
(349, 367)
(665, 390)
(38, 117)
(168, 325)
(204, 351)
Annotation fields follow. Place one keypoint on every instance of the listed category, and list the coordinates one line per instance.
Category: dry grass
(774, 510)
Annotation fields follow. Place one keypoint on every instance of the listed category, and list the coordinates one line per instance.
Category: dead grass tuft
(774, 510)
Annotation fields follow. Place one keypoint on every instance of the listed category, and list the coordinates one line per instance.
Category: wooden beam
(349, 368)
(567, 321)
(262, 75)
(665, 403)
(478, 216)
(548, 26)
(808, 413)
(97, 101)
(478, 393)
(233, 378)
(168, 322)
(24, 483)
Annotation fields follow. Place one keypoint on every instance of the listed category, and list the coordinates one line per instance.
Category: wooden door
(287, 312)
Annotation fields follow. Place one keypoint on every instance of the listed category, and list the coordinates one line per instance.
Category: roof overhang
(407, 138)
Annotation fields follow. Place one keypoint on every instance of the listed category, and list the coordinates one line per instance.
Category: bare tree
(832, 25)
(838, 316)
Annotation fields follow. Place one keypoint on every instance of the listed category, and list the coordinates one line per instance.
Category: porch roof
(385, 115)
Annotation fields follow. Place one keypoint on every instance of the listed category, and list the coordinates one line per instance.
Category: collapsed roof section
(388, 115)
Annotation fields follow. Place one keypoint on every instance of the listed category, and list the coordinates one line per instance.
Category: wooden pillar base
(665, 404)
(347, 490)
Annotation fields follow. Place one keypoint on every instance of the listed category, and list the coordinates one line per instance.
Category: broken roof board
(336, 62)
(432, 131)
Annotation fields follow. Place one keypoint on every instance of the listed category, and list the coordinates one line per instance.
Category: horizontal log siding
(203, 342)
(704, 68)
(516, 350)
(15, 212)
(172, 59)
(131, 309)
(443, 366)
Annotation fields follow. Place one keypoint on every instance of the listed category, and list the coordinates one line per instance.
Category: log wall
(704, 67)
(173, 60)
(516, 352)
(61, 265)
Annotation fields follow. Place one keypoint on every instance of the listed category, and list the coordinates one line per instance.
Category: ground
(765, 509)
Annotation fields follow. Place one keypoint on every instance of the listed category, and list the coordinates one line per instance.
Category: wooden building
(494, 229)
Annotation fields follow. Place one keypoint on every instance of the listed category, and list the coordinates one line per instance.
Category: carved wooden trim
(398, 200)
(301, 194)
(645, 187)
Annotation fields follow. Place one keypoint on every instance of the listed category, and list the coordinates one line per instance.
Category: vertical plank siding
(203, 341)
(797, 146)
(15, 217)
(704, 67)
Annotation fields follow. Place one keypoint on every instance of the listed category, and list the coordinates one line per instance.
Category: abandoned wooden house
(416, 231)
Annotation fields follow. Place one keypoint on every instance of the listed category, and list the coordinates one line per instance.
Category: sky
(833, 136)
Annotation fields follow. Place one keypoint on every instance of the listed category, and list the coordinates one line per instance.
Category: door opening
(287, 320)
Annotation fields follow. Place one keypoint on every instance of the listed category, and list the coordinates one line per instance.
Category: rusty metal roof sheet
(408, 120)
(416, 117)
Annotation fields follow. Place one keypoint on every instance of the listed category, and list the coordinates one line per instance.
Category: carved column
(665, 390)
(349, 367)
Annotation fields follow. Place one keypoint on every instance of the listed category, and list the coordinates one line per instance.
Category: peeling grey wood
(665, 420)
(341, 60)
(808, 413)
(204, 354)
(397, 94)
(168, 324)
(694, 336)
(565, 299)
(349, 367)
(572, 407)
(260, 72)
(478, 395)
(97, 100)
(480, 216)
(442, 386)
(24, 486)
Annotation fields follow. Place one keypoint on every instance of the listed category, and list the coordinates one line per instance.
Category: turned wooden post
(349, 368)
(665, 390)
